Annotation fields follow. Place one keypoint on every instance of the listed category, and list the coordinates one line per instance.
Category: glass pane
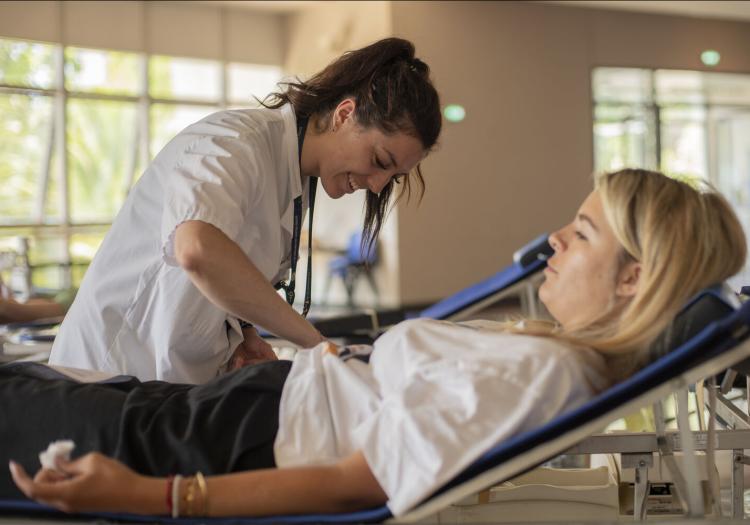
(14, 265)
(732, 146)
(167, 120)
(83, 247)
(621, 85)
(98, 71)
(247, 81)
(28, 64)
(53, 202)
(101, 141)
(45, 252)
(48, 256)
(683, 143)
(623, 137)
(184, 78)
(25, 126)
(679, 87)
(726, 88)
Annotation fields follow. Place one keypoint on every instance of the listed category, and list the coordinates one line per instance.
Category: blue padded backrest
(526, 261)
(712, 304)
(355, 252)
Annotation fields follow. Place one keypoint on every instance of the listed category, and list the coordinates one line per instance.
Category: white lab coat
(137, 312)
(433, 398)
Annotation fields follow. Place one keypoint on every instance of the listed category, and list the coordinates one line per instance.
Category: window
(77, 128)
(686, 123)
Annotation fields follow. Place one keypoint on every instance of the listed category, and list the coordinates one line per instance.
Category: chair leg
(349, 281)
(371, 279)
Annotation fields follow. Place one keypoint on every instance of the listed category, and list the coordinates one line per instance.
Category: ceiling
(737, 10)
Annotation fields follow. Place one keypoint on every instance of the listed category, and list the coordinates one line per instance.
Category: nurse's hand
(93, 482)
(253, 350)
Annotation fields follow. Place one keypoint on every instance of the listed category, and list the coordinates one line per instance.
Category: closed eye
(379, 164)
(581, 235)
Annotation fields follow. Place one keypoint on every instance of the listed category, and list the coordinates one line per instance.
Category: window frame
(57, 145)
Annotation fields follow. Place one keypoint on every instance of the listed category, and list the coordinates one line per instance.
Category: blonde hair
(685, 239)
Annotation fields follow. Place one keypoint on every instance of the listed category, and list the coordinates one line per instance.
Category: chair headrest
(538, 249)
(708, 305)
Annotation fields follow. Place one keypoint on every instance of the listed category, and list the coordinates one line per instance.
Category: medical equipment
(289, 287)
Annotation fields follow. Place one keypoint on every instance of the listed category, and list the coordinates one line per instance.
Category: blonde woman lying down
(333, 433)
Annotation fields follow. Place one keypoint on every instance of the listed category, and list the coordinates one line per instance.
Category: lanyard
(289, 286)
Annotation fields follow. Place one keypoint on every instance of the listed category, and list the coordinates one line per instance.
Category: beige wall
(322, 32)
(520, 163)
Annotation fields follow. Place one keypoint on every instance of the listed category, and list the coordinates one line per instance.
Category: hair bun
(418, 66)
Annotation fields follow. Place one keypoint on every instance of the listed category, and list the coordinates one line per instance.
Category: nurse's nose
(378, 180)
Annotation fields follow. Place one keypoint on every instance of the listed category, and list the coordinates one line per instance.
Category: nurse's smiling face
(586, 277)
(348, 157)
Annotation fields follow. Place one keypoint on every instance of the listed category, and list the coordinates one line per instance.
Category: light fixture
(454, 113)
(710, 57)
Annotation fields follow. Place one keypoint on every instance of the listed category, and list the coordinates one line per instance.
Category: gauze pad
(56, 450)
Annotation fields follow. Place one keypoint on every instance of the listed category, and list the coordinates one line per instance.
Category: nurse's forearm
(225, 275)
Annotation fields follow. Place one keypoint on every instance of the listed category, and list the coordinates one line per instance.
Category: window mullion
(61, 142)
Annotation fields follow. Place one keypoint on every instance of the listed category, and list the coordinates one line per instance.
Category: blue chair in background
(356, 262)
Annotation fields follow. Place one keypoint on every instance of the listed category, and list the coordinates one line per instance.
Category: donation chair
(710, 335)
(353, 264)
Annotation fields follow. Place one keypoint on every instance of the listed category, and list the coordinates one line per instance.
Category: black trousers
(156, 428)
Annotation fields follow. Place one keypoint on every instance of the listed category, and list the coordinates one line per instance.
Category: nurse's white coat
(137, 312)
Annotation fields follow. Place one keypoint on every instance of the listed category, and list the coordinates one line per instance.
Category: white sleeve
(215, 180)
(450, 413)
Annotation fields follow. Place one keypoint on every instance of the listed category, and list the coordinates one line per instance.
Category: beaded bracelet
(176, 496)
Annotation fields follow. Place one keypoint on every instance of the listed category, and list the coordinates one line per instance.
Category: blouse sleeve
(214, 181)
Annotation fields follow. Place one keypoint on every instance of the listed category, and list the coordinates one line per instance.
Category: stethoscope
(289, 286)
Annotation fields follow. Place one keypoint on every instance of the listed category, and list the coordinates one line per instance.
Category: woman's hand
(91, 483)
(251, 351)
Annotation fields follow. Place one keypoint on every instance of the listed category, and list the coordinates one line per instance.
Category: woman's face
(352, 158)
(582, 280)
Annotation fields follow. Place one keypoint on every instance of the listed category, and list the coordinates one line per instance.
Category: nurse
(192, 258)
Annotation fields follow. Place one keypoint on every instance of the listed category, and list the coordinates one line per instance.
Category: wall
(520, 163)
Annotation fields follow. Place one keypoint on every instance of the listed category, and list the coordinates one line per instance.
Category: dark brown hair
(393, 92)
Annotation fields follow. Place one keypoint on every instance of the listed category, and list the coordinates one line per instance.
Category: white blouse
(434, 397)
(137, 312)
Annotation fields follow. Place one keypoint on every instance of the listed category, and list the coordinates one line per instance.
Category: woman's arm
(229, 279)
(15, 312)
(98, 483)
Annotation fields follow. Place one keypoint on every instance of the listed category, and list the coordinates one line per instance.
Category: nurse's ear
(343, 113)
